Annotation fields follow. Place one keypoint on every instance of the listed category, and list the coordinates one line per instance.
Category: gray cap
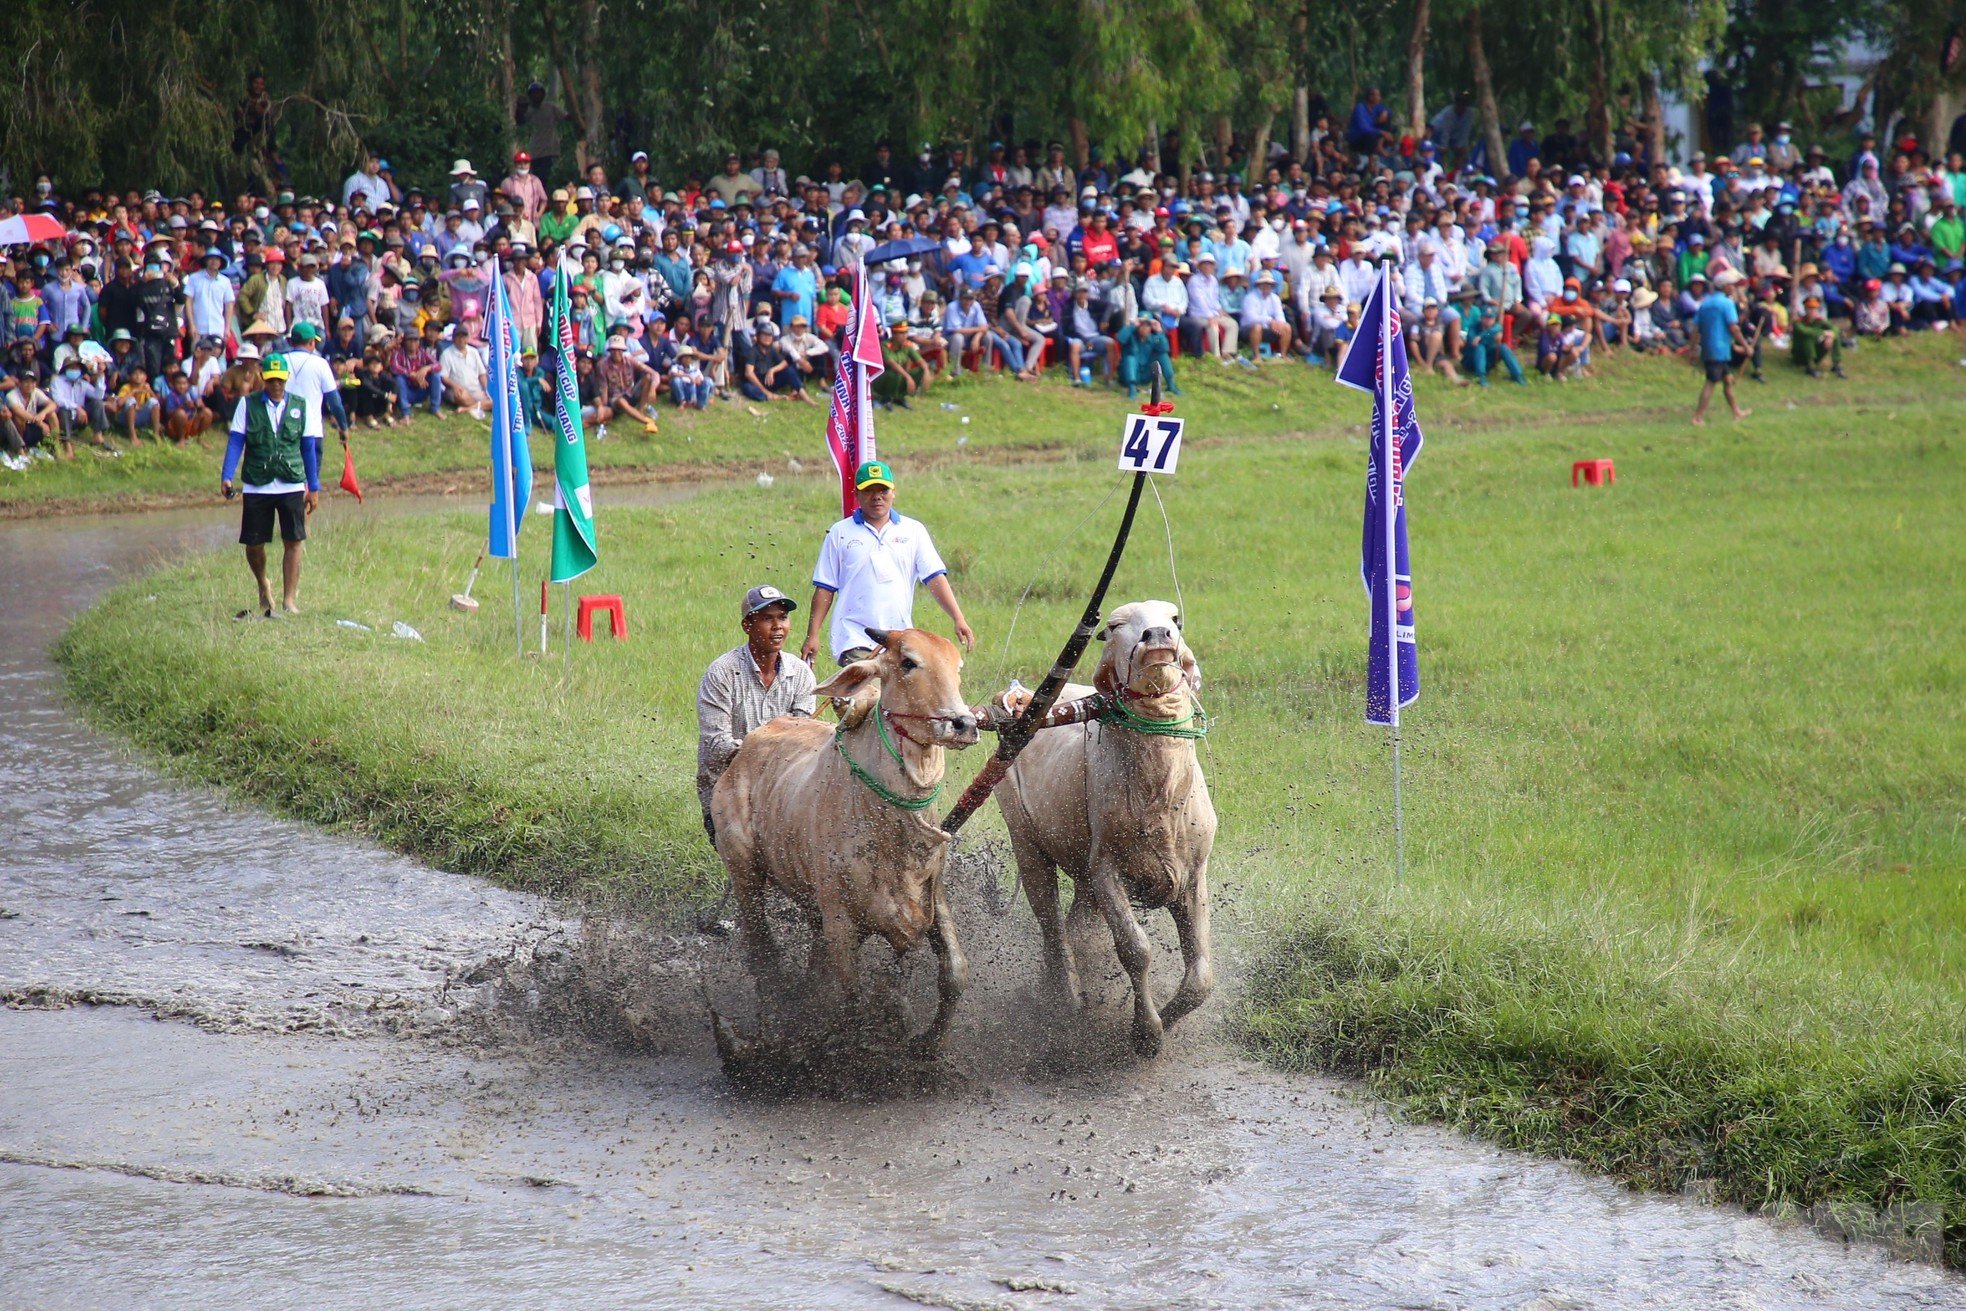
(764, 596)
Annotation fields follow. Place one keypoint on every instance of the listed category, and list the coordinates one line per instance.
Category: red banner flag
(850, 423)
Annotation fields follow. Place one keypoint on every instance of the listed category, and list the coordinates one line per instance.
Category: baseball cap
(874, 473)
(273, 366)
(763, 597)
(305, 332)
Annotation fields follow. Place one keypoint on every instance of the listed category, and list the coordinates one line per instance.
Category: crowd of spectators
(146, 317)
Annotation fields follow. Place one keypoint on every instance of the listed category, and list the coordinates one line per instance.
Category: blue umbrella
(906, 248)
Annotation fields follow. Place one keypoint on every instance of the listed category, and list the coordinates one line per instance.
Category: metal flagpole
(1389, 509)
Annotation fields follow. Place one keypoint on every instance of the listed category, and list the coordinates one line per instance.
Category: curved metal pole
(1015, 736)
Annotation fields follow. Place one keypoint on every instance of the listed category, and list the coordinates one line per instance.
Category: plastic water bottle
(351, 624)
(950, 405)
(404, 631)
(1085, 375)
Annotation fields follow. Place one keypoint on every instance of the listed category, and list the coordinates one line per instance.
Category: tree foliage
(143, 92)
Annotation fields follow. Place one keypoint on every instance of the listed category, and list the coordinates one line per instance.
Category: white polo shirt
(873, 574)
(312, 378)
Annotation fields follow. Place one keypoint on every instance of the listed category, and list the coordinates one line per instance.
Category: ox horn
(881, 636)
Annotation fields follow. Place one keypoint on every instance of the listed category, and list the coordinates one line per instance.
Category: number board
(1150, 443)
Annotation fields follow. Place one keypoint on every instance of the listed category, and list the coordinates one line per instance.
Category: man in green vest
(281, 475)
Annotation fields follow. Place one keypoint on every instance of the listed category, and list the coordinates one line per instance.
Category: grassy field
(1005, 418)
(1686, 789)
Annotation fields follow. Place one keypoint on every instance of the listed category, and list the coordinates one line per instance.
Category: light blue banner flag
(511, 456)
(1376, 362)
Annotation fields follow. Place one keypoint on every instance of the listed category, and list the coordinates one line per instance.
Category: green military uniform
(1811, 343)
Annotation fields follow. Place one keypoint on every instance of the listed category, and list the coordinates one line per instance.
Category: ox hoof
(1146, 1040)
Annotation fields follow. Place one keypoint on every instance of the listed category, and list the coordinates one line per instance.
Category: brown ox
(1126, 813)
(796, 811)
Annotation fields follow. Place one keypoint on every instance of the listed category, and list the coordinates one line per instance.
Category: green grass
(1686, 789)
(1006, 418)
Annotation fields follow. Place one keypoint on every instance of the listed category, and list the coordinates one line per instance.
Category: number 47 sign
(1150, 443)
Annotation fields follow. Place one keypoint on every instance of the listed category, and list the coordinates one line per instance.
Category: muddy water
(243, 1064)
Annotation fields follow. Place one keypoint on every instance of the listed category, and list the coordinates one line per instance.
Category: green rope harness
(874, 785)
(1119, 716)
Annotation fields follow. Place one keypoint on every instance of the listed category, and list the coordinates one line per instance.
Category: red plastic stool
(1594, 472)
(583, 621)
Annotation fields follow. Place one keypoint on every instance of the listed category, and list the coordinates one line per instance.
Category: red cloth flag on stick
(348, 480)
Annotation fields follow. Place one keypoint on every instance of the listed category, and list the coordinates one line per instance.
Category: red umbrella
(26, 229)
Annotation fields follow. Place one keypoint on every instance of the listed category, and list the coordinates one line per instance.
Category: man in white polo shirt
(868, 569)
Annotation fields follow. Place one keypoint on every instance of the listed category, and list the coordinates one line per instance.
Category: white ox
(1124, 810)
(836, 819)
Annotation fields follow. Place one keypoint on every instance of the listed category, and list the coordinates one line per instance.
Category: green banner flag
(574, 549)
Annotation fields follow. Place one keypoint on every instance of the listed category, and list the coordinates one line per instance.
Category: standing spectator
(158, 323)
(266, 449)
(524, 189)
(1718, 321)
(796, 288)
(541, 120)
(307, 295)
(467, 191)
(209, 297)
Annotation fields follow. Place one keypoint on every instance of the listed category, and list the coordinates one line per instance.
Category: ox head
(1145, 653)
(918, 676)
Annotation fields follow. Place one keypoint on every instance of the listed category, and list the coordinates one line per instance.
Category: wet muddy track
(247, 1064)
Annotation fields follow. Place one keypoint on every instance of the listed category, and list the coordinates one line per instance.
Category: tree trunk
(1081, 145)
(1655, 119)
(590, 84)
(1939, 123)
(508, 71)
(1225, 139)
(1416, 75)
(1153, 146)
(1484, 80)
(1258, 162)
(1597, 116)
(1300, 98)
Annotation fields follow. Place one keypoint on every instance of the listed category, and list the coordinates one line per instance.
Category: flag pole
(1390, 483)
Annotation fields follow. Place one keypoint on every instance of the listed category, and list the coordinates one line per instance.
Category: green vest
(273, 456)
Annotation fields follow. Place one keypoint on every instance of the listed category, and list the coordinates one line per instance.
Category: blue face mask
(71, 374)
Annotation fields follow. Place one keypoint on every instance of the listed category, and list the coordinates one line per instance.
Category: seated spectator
(625, 384)
(1144, 354)
(462, 369)
(967, 332)
(1327, 319)
(414, 370)
(1437, 341)
(689, 387)
(1813, 340)
(185, 413)
(135, 403)
(905, 373)
(1080, 327)
(925, 330)
(35, 416)
(1264, 320)
(1485, 346)
(79, 399)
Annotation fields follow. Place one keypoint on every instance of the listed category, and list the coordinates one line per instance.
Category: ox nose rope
(873, 784)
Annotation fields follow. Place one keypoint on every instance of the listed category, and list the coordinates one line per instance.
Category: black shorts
(1717, 370)
(256, 520)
